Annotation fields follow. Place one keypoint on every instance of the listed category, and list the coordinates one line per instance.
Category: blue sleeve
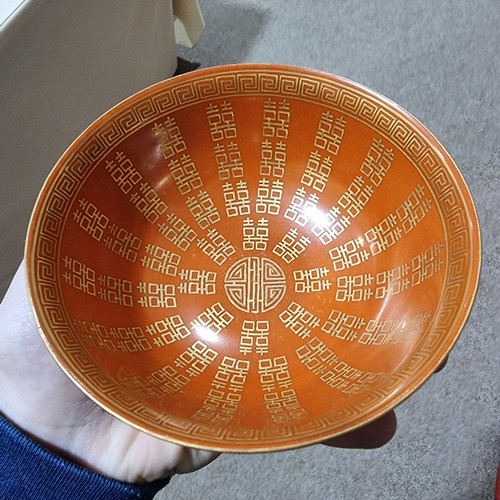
(29, 471)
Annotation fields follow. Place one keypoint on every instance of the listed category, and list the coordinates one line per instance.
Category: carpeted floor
(440, 61)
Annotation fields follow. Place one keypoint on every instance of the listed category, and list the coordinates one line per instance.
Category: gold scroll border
(183, 92)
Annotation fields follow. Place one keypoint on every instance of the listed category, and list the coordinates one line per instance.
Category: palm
(38, 396)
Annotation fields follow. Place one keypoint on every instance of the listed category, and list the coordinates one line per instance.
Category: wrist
(36, 429)
(28, 470)
(56, 430)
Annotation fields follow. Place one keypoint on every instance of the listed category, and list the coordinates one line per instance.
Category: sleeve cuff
(30, 471)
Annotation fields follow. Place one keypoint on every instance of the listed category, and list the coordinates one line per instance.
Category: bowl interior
(251, 258)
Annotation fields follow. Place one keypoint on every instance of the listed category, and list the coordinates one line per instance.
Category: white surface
(7, 7)
(62, 64)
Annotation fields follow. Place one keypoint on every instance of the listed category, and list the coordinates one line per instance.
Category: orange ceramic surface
(252, 258)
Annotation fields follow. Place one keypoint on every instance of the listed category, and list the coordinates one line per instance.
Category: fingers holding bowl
(373, 435)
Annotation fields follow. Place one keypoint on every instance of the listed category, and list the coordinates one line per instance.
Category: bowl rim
(376, 411)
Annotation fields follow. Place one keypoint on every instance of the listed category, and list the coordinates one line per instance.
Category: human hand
(39, 398)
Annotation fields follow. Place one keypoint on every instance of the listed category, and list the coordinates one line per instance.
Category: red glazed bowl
(252, 258)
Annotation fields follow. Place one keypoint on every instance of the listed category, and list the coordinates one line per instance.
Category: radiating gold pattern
(221, 243)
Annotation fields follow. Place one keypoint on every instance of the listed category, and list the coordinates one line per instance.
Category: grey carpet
(440, 61)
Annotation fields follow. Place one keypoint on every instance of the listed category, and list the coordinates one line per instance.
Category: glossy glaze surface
(253, 257)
